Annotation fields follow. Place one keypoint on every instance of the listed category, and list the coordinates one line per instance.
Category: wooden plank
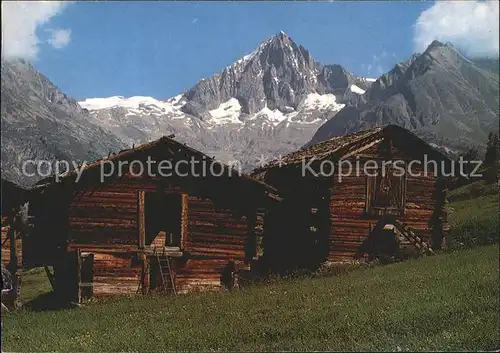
(144, 284)
(79, 274)
(141, 219)
(184, 220)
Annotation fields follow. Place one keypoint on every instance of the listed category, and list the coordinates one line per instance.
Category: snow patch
(356, 89)
(132, 103)
(274, 116)
(448, 150)
(227, 112)
(315, 101)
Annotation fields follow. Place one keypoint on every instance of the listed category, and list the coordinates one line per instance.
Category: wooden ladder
(415, 240)
(165, 270)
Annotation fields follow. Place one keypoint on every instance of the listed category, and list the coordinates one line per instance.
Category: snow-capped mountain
(269, 102)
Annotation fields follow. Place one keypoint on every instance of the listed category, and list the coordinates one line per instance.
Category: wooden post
(13, 247)
(79, 274)
(370, 186)
(14, 268)
(184, 220)
(51, 277)
(141, 220)
(18, 303)
(141, 223)
(251, 238)
(144, 280)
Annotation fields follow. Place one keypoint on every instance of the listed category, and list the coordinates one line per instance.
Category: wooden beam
(17, 301)
(141, 222)
(184, 220)
(79, 274)
(144, 279)
(362, 148)
(13, 248)
(104, 247)
(51, 277)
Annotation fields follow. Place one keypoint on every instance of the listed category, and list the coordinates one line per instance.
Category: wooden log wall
(350, 225)
(115, 274)
(215, 236)
(6, 245)
(104, 221)
(105, 216)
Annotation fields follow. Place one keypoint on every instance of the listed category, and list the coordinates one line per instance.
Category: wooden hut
(13, 229)
(13, 197)
(329, 213)
(140, 230)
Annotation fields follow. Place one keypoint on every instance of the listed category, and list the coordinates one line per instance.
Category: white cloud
(20, 20)
(379, 64)
(472, 26)
(60, 38)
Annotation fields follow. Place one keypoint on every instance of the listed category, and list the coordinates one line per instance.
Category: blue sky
(160, 49)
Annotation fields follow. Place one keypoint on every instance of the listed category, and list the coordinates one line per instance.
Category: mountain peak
(444, 53)
(278, 74)
(282, 35)
(436, 44)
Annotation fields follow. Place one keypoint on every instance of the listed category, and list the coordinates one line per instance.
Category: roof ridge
(146, 146)
(358, 135)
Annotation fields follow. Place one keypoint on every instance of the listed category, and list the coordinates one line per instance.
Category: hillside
(473, 214)
(39, 122)
(447, 302)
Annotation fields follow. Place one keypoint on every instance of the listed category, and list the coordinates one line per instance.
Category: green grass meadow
(473, 214)
(445, 302)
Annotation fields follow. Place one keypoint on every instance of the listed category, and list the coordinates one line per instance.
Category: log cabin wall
(12, 228)
(8, 233)
(349, 223)
(107, 226)
(106, 215)
(103, 220)
(215, 236)
(115, 273)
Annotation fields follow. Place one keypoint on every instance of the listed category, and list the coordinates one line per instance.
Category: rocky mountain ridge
(441, 95)
(265, 105)
(41, 123)
(268, 103)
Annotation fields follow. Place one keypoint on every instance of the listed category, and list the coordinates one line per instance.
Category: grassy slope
(443, 302)
(437, 303)
(34, 283)
(474, 214)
